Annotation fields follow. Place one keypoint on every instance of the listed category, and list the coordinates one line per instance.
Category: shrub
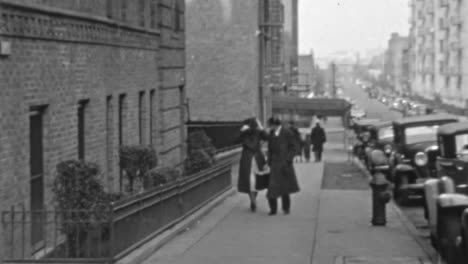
(81, 199)
(201, 152)
(136, 161)
(161, 176)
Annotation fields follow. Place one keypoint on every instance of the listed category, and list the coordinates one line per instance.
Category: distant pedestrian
(297, 137)
(252, 161)
(306, 148)
(318, 138)
(282, 148)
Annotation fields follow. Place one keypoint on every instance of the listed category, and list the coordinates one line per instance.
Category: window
(121, 117)
(121, 131)
(266, 11)
(441, 45)
(36, 166)
(151, 117)
(81, 129)
(441, 67)
(109, 8)
(123, 9)
(153, 13)
(109, 134)
(141, 13)
(178, 17)
(459, 82)
(421, 134)
(141, 113)
(447, 82)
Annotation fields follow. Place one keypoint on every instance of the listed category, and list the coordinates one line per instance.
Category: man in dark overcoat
(282, 147)
(318, 138)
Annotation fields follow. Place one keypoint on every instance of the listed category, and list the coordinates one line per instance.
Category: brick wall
(87, 58)
(222, 60)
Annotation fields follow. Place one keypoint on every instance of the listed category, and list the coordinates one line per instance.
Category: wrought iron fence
(104, 237)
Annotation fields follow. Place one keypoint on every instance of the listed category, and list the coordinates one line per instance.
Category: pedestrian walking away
(282, 148)
(252, 161)
(318, 138)
(306, 148)
(298, 141)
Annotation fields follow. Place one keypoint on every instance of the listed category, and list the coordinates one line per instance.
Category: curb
(430, 251)
(413, 231)
(144, 252)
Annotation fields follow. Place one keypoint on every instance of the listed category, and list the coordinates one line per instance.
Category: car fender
(452, 200)
(404, 168)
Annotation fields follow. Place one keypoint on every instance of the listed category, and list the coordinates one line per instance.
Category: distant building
(307, 72)
(79, 79)
(438, 37)
(396, 63)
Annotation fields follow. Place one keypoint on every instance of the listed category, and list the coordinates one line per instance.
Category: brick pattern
(90, 59)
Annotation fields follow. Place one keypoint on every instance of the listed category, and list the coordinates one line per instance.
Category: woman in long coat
(252, 160)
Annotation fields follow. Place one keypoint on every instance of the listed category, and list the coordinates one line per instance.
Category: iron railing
(104, 236)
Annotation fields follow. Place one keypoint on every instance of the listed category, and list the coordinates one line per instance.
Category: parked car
(447, 197)
(358, 113)
(381, 137)
(361, 130)
(416, 149)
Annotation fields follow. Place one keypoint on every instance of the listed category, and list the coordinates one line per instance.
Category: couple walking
(277, 168)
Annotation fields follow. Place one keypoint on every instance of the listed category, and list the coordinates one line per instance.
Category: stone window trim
(71, 26)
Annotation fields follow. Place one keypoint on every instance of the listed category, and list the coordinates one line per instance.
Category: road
(373, 108)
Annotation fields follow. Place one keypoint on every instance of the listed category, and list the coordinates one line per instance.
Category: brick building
(235, 58)
(81, 78)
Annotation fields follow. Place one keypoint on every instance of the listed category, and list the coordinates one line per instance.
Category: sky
(327, 26)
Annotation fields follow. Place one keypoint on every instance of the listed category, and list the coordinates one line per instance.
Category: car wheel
(450, 229)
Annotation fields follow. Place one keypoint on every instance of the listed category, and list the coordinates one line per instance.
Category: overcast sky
(336, 25)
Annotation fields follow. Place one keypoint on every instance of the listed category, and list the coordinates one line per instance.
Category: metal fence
(104, 236)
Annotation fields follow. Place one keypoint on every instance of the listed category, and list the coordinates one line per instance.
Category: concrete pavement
(325, 226)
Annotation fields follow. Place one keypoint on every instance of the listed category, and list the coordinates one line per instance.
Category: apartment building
(78, 80)
(438, 38)
(396, 65)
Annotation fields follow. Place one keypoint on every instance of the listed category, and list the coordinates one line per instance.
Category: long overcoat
(281, 152)
(251, 148)
(318, 138)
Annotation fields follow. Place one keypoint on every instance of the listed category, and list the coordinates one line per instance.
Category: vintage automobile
(447, 197)
(381, 137)
(413, 160)
(361, 129)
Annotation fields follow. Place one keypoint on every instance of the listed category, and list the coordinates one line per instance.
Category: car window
(386, 132)
(421, 134)
(461, 143)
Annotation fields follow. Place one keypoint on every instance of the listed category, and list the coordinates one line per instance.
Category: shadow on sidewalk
(343, 176)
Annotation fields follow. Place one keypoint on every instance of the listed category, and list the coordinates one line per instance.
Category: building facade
(306, 75)
(396, 66)
(235, 58)
(438, 64)
(290, 32)
(78, 80)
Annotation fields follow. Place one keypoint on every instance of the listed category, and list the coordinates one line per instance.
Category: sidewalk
(244, 237)
(325, 227)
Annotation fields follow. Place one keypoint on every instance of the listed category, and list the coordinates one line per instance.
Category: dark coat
(298, 140)
(318, 138)
(281, 152)
(306, 147)
(251, 148)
